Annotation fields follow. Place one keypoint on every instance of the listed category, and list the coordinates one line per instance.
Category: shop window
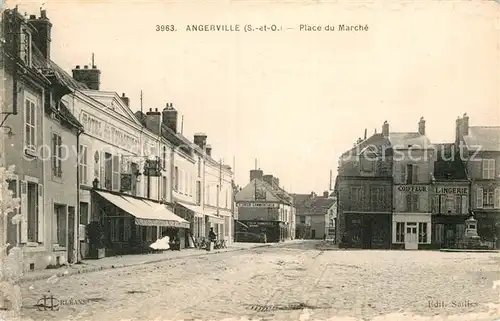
(400, 232)
(422, 232)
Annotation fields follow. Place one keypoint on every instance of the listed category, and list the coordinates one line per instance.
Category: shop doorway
(411, 237)
(313, 234)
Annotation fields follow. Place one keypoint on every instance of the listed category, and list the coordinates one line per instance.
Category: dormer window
(25, 47)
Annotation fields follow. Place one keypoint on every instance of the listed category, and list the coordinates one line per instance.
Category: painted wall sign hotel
(412, 188)
(109, 133)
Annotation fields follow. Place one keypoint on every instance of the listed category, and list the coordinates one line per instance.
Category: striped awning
(146, 213)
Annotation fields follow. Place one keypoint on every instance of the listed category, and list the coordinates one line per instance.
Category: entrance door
(313, 234)
(411, 237)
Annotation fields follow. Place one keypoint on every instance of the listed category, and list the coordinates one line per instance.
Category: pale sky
(293, 100)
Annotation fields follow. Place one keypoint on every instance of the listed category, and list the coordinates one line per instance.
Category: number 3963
(165, 28)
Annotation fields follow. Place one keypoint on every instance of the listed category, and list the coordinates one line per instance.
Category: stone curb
(469, 251)
(28, 278)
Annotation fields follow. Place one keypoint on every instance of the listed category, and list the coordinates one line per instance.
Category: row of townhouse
(82, 156)
(265, 210)
(397, 190)
(315, 215)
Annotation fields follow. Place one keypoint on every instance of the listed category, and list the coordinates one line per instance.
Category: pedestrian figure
(344, 241)
(211, 235)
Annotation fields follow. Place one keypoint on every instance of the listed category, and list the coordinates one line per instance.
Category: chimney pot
(123, 94)
(32, 16)
(85, 67)
(421, 126)
(94, 67)
(43, 14)
(385, 129)
(156, 109)
(77, 66)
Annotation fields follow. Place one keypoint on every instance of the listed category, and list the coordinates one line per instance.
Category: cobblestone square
(288, 282)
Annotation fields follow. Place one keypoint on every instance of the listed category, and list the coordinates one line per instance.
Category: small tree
(11, 265)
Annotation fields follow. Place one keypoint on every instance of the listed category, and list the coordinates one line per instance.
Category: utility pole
(255, 182)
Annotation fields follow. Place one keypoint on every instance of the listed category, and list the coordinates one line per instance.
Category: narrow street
(278, 283)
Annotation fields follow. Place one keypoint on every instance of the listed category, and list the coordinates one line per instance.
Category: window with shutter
(24, 212)
(497, 197)
(465, 204)
(403, 173)
(408, 202)
(479, 197)
(40, 222)
(435, 204)
(116, 173)
(415, 202)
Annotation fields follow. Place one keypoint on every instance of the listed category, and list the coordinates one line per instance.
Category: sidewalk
(114, 262)
(327, 246)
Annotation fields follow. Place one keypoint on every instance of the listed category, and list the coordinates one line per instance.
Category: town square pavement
(294, 281)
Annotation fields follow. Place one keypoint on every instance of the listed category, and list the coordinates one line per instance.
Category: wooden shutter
(403, 173)
(497, 197)
(41, 220)
(465, 204)
(414, 174)
(115, 177)
(102, 175)
(24, 212)
(479, 197)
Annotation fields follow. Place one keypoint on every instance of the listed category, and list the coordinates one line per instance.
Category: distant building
(264, 208)
(449, 197)
(313, 215)
(479, 147)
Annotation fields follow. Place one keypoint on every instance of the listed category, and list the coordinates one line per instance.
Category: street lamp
(151, 167)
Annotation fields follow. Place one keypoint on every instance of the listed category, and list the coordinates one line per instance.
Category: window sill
(33, 247)
(58, 248)
(57, 179)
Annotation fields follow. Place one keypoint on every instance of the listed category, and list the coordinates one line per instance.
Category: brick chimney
(256, 173)
(268, 179)
(421, 126)
(153, 121)
(170, 117)
(208, 150)
(42, 36)
(325, 194)
(385, 129)
(200, 139)
(88, 76)
(465, 124)
(125, 99)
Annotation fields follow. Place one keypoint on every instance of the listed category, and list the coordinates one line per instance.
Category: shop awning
(198, 211)
(244, 225)
(214, 218)
(222, 212)
(146, 213)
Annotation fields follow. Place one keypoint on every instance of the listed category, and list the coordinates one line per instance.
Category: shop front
(450, 209)
(257, 231)
(411, 231)
(368, 231)
(128, 225)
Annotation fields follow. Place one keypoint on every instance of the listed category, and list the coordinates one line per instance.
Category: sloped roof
(405, 140)
(313, 205)
(54, 74)
(485, 137)
(447, 166)
(247, 194)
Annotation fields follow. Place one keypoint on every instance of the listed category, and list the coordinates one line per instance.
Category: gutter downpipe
(79, 255)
